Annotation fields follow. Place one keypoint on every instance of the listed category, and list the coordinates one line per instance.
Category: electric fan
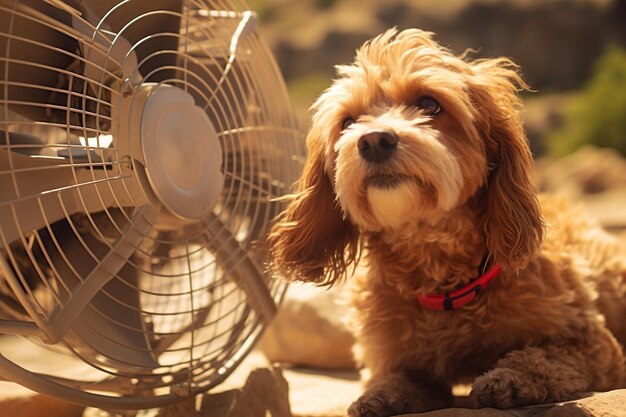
(143, 144)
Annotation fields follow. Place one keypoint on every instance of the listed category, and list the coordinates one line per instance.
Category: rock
(311, 329)
(327, 393)
(265, 393)
(36, 405)
(604, 404)
(464, 412)
(593, 177)
(566, 410)
(589, 170)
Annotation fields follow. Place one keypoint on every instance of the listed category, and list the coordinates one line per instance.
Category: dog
(418, 167)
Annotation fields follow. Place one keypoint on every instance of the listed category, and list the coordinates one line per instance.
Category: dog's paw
(504, 388)
(378, 404)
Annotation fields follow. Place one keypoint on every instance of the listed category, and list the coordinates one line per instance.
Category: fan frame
(247, 274)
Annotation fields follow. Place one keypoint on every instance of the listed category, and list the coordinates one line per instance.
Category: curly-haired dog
(419, 156)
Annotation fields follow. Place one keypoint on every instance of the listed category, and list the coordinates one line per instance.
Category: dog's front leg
(400, 393)
(547, 374)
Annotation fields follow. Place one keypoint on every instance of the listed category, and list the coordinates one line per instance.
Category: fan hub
(181, 152)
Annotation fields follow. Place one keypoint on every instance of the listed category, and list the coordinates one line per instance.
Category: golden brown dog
(419, 158)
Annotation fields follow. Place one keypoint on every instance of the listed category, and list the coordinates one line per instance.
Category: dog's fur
(457, 189)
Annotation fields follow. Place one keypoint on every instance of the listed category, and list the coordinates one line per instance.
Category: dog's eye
(429, 105)
(346, 122)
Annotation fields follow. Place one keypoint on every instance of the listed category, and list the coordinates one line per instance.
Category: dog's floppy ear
(311, 240)
(513, 222)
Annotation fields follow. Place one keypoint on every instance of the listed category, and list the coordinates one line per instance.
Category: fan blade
(91, 265)
(154, 32)
(22, 143)
(31, 54)
(43, 66)
(113, 326)
(27, 144)
(61, 65)
(107, 54)
(240, 267)
(44, 190)
(96, 307)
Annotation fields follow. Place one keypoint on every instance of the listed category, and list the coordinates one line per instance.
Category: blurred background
(572, 53)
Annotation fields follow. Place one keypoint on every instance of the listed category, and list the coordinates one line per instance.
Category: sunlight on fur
(393, 206)
(418, 164)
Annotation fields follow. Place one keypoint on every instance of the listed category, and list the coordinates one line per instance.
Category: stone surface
(605, 404)
(255, 389)
(18, 401)
(265, 393)
(35, 405)
(464, 412)
(588, 171)
(608, 404)
(321, 393)
(592, 177)
(311, 329)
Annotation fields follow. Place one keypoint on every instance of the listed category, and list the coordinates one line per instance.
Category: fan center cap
(182, 153)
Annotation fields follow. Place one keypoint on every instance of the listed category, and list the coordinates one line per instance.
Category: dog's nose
(377, 145)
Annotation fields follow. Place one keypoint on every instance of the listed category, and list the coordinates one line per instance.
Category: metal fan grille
(156, 308)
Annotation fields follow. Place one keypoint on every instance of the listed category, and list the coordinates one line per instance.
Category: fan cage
(155, 309)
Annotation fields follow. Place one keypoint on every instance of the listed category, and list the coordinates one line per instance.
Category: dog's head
(407, 134)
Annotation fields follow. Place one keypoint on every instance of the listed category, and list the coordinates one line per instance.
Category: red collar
(461, 297)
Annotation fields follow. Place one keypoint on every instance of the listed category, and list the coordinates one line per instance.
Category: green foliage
(598, 115)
